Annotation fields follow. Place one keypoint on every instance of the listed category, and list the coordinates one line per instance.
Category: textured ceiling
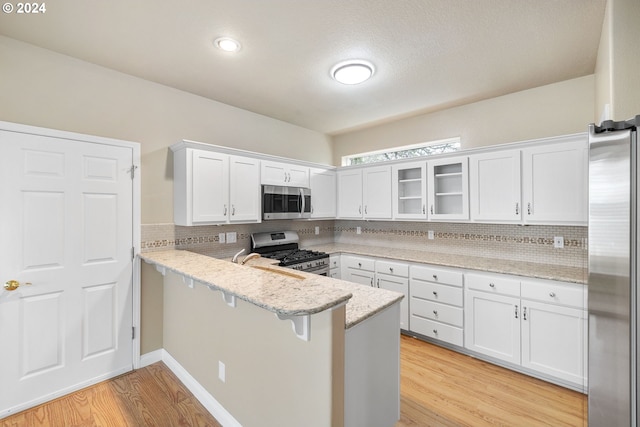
(429, 54)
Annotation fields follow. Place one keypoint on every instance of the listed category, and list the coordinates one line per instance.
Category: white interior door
(66, 227)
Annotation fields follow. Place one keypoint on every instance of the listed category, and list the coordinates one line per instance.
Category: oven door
(285, 202)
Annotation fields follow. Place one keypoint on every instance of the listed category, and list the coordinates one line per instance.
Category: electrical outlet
(358, 230)
(222, 374)
(558, 242)
(317, 230)
(221, 238)
(232, 237)
(430, 235)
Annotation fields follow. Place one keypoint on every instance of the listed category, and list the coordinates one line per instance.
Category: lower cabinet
(394, 276)
(436, 303)
(358, 269)
(334, 266)
(539, 325)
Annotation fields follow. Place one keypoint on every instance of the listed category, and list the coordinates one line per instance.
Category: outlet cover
(358, 230)
(222, 374)
(221, 238)
(232, 237)
(430, 235)
(317, 230)
(558, 242)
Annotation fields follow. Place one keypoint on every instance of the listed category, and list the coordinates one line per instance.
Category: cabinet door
(323, 193)
(492, 325)
(377, 192)
(448, 194)
(495, 186)
(349, 194)
(359, 276)
(555, 183)
(210, 187)
(553, 340)
(401, 285)
(273, 173)
(409, 191)
(298, 176)
(244, 189)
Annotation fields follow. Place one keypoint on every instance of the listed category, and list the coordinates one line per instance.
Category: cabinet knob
(391, 269)
(435, 332)
(359, 265)
(552, 294)
(491, 285)
(435, 277)
(435, 294)
(435, 313)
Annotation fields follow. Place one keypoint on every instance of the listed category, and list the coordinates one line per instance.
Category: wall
(273, 378)
(557, 109)
(618, 63)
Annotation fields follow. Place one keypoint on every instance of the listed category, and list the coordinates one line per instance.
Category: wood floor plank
(439, 388)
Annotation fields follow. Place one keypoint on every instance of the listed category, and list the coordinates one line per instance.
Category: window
(406, 152)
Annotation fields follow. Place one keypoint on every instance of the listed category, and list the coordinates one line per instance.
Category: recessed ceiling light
(227, 44)
(352, 72)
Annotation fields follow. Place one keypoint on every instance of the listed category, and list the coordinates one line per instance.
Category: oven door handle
(302, 201)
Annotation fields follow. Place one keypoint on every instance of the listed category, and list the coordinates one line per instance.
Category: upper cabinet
(409, 190)
(448, 195)
(364, 193)
(285, 174)
(215, 188)
(495, 186)
(554, 182)
(323, 192)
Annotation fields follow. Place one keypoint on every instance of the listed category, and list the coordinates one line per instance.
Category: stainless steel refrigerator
(612, 283)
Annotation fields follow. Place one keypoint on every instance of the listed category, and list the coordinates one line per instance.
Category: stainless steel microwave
(285, 202)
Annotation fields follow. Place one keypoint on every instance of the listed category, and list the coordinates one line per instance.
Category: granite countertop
(277, 289)
(518, 268)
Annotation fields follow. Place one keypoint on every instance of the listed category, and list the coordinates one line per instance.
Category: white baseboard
(151, 358)
(208, 401)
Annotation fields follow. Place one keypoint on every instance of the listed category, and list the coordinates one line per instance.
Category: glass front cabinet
(448, 195)
(410, 191)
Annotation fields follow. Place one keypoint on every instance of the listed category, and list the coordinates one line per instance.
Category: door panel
(68, 232)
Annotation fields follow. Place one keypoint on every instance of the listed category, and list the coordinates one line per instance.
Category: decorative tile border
(506, 242)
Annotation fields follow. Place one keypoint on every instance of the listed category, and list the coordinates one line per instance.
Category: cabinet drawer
(358, 263)
(438, 293)
(392, 268)
(436, 275)
(436, 330)
(494, 284)
(437, 312)
(568, 294)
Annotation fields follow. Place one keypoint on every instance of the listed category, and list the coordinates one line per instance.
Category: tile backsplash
(532, 243)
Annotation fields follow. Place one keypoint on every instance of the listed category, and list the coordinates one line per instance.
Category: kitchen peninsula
(230, 327)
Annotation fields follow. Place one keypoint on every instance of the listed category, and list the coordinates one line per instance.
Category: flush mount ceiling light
(227, 44)
(352, 72)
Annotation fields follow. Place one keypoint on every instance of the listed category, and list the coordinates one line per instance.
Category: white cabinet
(323, 192)
(409, 190)
(214, 188)
(448, 195)
(538, 324)
(349, 193)
(436, 303)
(495, 186)
(334, 266)
(394, 276)
(358, 269)
(364, 193)
(554, 180)
(288, 175)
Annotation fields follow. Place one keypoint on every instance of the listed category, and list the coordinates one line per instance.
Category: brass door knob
(12, 285)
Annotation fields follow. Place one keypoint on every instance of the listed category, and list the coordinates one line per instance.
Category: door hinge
(133, 332)
(133, 171)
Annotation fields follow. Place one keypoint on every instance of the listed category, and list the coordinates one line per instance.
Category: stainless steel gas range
(283, 246)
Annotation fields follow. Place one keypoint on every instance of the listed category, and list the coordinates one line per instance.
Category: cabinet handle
(516, 311)
(372, 282)
(360, 209)
(378, 283)
(491, 285)
(524, 313)
(435, 277)
(233, 209)
(431, 209)
(365, 209)
(424, 209)
(529, 208)
(311, 208)
(225, 210)
(435, 294)
(391, 269)
(435, 332)
(435, 313)
(517, 208)
(552, 294)
(359, 265)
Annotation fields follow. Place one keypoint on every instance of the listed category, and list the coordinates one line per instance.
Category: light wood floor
(439, 388)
